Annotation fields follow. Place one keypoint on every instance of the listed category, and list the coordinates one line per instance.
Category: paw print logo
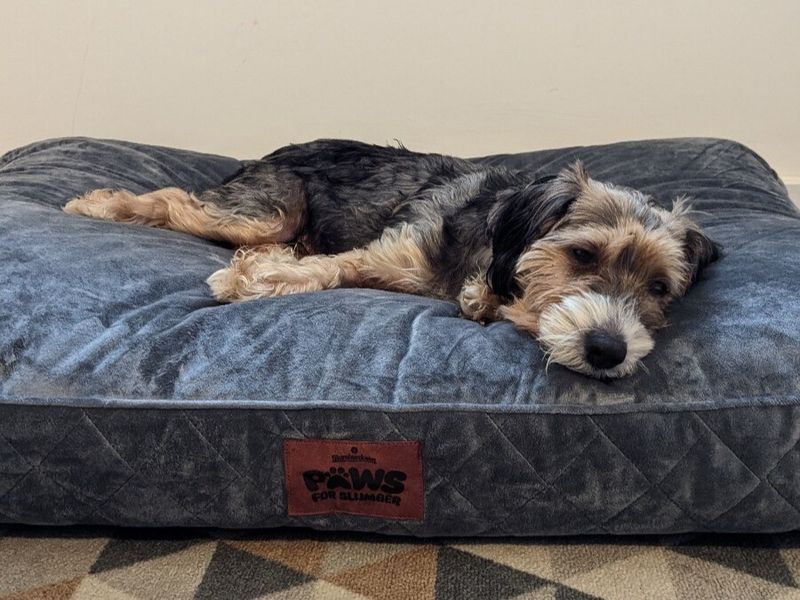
(338, 478)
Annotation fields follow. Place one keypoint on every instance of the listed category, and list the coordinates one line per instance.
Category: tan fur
(395, 262)
(547, 273)
(269, 271)
(477, 301)
(173, 208)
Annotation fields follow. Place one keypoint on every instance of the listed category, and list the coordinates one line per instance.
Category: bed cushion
(128, 396)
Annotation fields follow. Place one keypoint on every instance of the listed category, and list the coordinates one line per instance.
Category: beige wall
(243, 77)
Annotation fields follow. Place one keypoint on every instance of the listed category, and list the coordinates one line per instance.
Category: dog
(587, 268)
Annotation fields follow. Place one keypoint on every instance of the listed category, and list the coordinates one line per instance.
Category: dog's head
(590, 268)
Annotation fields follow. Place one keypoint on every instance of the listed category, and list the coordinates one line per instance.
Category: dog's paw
(101, 204)
(476, 300)
(257, 274)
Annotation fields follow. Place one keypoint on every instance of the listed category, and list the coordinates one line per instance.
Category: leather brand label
(373, 479)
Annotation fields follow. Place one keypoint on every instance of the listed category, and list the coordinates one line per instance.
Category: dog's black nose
(604, 350)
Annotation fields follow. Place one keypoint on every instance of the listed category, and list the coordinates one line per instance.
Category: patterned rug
(55, 564)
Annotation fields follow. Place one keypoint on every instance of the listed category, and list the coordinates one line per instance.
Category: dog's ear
(573, 179)
(700, 251)
(526, 215)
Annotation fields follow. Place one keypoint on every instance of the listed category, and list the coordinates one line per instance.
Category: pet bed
(128, 396)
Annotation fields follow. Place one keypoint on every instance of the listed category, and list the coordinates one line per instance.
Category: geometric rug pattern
(126, 564)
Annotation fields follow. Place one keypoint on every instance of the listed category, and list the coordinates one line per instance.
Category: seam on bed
(749, 402)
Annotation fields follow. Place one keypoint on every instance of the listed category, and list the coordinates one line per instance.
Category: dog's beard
(563, 327)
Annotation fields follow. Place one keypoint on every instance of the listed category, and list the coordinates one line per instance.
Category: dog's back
(353, 191)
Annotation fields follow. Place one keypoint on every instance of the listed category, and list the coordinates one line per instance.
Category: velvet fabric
(129, 396)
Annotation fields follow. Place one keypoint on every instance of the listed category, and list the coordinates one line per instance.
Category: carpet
(94, 563)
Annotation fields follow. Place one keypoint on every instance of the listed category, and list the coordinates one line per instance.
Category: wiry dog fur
(588, 268)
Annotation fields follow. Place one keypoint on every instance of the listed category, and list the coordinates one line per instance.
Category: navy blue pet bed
(128, 396)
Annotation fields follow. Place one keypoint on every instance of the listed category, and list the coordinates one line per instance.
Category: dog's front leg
(397, 261)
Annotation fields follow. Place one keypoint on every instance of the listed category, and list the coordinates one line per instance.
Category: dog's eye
(582, 255)
(659, 288)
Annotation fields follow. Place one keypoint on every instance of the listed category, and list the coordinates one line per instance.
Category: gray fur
(352, 192)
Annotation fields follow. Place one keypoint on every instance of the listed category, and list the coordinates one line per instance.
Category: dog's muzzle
(594, 334)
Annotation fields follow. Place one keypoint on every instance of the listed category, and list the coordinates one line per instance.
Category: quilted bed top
(95, 313)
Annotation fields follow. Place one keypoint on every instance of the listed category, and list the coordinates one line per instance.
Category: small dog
(587, 268)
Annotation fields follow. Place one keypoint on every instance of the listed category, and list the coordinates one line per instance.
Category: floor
(126, 564)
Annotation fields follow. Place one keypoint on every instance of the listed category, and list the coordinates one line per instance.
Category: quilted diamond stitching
(508, 510)
(694, 518)
(549, 484)
(654, 486)
(61, 468)
(229, 476)
(446, 482)
(40, 468)
(34, 466)
(432, 471)
(299, 433)
(241, 478)
(774, 468)
(135, 472)
(736, 456)
(622, 485)
(571, 462)
(765, 479)
(500, 525)
(13, 449)
(218, 453)
(103, 503)
(18, 458)
(444, 477)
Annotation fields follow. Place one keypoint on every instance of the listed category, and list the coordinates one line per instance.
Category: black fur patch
(527, 215)
(700, 251)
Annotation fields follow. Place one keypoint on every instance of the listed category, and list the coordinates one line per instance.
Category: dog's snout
(604, 350)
